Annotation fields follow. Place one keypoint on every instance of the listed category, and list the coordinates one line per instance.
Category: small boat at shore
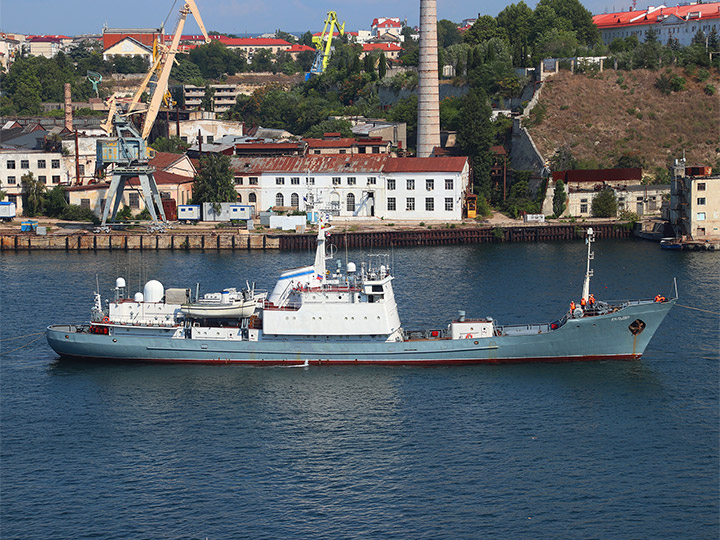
(315, 316)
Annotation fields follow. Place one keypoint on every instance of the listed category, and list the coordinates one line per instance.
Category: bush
(73, 212)
(144, 215)
(124, 215)
(709, 90)
(668, 84)
(605, 204)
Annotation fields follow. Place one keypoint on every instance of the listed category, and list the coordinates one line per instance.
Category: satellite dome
(120, 283)
(154, 291)
(351, 267)
(138, 297)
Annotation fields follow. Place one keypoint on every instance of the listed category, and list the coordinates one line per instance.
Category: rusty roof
(428, 164)
(163, 160)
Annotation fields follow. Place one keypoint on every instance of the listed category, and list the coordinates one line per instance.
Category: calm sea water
(598, 450)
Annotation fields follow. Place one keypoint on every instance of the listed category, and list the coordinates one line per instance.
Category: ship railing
(287, 306)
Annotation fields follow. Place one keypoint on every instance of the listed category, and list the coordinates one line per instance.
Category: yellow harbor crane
(127, 149)
(323, 43)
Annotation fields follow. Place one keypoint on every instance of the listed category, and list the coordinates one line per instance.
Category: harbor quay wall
(366, 239)
(436, 237)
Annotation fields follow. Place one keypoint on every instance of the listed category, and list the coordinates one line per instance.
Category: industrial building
(695, 203)
(356, 186)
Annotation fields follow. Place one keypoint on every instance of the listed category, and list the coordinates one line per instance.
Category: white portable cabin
(8, 210)
(228, 212)
(188, 212)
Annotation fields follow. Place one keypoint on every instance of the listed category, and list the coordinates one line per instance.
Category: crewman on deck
(572, 306)
(591, 301)
(583, 303)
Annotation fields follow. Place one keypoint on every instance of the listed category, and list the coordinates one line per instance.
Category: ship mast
(320, 253)
(590, 256)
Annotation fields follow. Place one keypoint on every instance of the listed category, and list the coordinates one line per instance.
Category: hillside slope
(602, 117)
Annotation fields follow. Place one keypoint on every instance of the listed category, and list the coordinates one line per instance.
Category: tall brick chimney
(428, 97)
(68, 107)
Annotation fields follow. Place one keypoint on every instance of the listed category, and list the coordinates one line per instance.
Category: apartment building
(48, 167)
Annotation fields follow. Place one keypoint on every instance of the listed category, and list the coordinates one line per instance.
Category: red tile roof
(163, 160)
(309, 164)
(298, 47)
(345, 163)
(428, 164)
(641, 17)
(381, 47)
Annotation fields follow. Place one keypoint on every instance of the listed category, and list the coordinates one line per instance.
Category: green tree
(475, 135)
(382, 66)
(484, 29)
(559, 198)
(605, 204)
(32, 193)
(405, 110)
(516, 20)
(214, 181)
(563, 160)
(572, 15)
(208, 101)
(447, 33)
(55, 201)
(185, 71)
(173, 145)
(330, 126)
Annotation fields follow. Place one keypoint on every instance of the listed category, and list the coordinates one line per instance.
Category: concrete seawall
(366, 239)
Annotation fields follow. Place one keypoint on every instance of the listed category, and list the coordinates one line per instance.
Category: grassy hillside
(604, 116)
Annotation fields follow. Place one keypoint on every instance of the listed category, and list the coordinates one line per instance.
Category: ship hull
(603, 337)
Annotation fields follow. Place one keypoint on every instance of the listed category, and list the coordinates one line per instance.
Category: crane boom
(323, 43)
(165, 63)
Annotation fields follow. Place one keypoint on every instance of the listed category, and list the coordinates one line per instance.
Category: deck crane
(323, 42)
(127, 150)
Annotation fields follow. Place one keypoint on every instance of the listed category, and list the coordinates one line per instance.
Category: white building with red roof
(250, 46)
(390, 50)
(677, 22)
(386, 27)
(357, 186)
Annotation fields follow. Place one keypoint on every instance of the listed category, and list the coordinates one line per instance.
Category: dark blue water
(598, 450)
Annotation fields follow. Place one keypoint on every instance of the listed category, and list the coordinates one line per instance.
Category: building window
(11, 164)
(56, 179)
(295, 180)
(430, 204)
(84, 203)
(42, 179)
(448, 204)
(41, 164)
(316, 151)
(372, 180)
(701, 186)
(583, 208)
(81, 170)
(429, 184)
(391, 203)
(335, 180)
(391, 184)
(410, 184)
(24, 163)
(239, 198)
(134, 199)
(295, 200)
(701, 216)
(279, 180)
(12, 199)
(183, 139)
(279, 200)
(311, 181)
(375, 149)
(210, 139)
(351, 202)
(11, 180)
(361, 150)
(410, 204)
(448, 183)
(701, 201)
(252, 198)
(55, 163)
(343, 151)
(238, 180)
(165, 195)
(253, 181)
(352, 181)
